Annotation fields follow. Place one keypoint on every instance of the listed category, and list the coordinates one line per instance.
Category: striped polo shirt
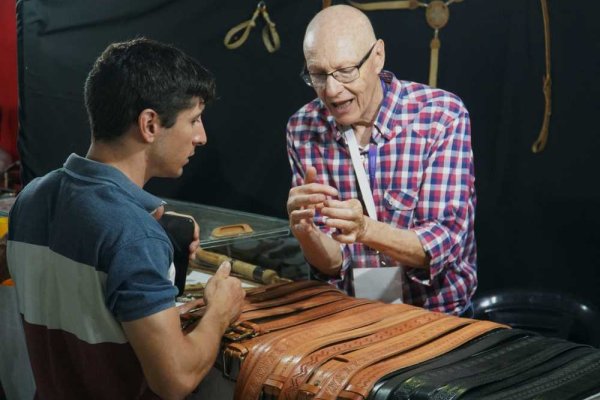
(86, 254)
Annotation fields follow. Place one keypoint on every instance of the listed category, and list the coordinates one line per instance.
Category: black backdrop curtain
(537, 219)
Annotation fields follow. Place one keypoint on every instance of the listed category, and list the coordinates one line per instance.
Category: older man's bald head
(336, 26)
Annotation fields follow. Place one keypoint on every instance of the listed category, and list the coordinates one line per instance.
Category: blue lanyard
(372, 164)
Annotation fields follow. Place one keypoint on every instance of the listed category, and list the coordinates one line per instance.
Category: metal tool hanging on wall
(436, 13)
(238, 35)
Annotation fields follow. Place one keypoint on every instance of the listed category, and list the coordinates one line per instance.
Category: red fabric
(8, 77)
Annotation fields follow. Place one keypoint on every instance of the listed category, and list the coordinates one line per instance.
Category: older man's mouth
(341, 106)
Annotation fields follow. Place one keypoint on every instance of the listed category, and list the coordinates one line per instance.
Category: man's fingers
(344, 238)
(224, 270)
(158, 213)
(298, 215)
(341, 213)
(341, 224)
(311, 175)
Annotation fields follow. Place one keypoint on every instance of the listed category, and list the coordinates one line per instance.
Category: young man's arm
(174, 363)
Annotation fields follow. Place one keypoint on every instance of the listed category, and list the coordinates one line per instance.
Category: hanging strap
(436, 14)
(361, 176)
(540, 143)
(270, 37)
(387, 5)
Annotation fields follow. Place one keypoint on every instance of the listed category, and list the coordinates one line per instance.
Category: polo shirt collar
(94, 171)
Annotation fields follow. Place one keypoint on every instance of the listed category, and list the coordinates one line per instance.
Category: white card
(384, 284)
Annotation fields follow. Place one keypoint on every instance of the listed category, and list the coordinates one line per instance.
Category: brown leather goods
(309, 341)
(264, 354)
(252, 350)
(246, 329)
(290, 308)
(237, 35)
(361, 384)
(291, 373)
(333, 376)
(268, 296)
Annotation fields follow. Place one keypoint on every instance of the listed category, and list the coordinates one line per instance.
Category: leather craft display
(307, 340)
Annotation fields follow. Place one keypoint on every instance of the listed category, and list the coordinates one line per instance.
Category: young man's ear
(148, 124)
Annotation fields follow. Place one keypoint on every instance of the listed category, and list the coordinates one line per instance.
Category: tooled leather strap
(293, 357)
(361, 384)
(334, 375)
(348, 317)
(291, 308)
(300, 318)
(387, 383)
(286, 381)
(264, 293)
(291, 297)
(259, 358)
(269, 296)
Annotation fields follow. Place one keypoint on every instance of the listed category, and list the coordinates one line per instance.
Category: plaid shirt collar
(385, 128)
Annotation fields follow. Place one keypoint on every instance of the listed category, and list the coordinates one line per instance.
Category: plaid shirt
(424, 181)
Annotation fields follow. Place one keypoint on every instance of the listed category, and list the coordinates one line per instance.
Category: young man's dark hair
(142, 73)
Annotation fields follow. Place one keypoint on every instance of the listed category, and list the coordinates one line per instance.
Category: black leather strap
(457, 387)
(423, 386)
(575, 380)
(544, 368)
(387, 385)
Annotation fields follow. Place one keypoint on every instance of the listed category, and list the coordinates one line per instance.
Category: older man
(382, 173)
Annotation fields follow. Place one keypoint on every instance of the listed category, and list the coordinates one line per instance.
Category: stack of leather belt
(307, 340)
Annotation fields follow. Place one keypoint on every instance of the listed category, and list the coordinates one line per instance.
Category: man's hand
(224, 295)
(304, 199)
(160, 211)
(196, 242)
(348, 217)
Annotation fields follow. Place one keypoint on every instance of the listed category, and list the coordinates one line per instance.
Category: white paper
(384, 284)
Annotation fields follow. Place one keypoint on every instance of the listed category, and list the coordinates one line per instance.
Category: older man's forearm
(322, 252)
(402, 245)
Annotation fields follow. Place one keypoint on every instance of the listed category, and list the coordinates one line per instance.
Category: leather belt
(333, 376)
(387, 384)
(424, 385)
(361, 384)
(574, 380)
(246, 329)
(267, 296)
(264, 293)
(291, 373)
(546, 367)
(505, 370)
(291, 297)
(262, 356)
(290, 308)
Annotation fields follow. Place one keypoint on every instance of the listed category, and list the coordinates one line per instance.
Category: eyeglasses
(342, 75)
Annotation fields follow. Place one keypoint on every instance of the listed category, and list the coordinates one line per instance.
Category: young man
(92, 266)
(413, 144)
